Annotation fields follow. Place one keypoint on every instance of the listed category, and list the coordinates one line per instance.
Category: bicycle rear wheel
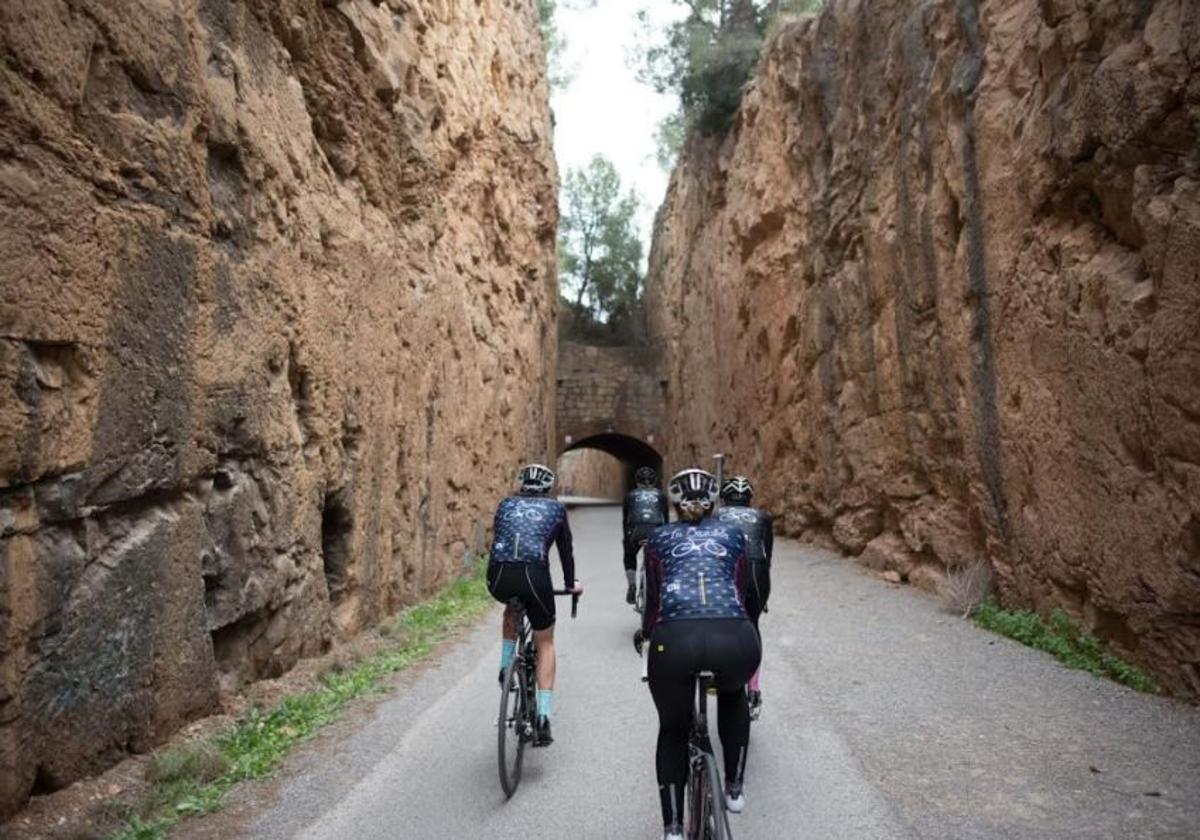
(706, 803)
(513, 728)
(639, 602)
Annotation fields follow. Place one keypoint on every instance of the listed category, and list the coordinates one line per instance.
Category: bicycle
(639, 598)
(705, 814)
(519, 688)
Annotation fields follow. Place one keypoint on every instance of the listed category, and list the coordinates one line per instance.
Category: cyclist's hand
(638, 641)
(577, 589)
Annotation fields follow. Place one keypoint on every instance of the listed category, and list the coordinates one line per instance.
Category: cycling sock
(754, 680)
(507, 648)
(629, 574)
(544, 701)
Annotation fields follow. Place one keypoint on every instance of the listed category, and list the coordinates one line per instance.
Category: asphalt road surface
(884, 717)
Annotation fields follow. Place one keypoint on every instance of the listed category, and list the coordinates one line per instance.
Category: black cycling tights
(677, 650)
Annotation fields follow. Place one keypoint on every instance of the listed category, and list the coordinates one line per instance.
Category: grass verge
(1063, 639)
(193, 779)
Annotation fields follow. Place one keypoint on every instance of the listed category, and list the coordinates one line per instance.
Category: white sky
(605, 110)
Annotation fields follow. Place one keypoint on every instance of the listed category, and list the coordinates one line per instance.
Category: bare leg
(508, 628)
(544, 639)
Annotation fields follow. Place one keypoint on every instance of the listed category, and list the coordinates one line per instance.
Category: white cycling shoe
(674, 832)
(735, 799)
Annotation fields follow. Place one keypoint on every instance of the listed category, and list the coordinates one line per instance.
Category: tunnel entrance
(603, 465)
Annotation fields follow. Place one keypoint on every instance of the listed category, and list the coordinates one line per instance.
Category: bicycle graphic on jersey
(689, 548)
(529, 511)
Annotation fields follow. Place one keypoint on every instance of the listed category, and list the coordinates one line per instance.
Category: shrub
(1063, 639)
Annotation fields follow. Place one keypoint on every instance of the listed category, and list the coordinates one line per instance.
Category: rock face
(276, 325)
(939, 293)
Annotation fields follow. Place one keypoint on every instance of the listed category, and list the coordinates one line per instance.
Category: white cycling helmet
(536, 479)
(693, 491)
(737, 490)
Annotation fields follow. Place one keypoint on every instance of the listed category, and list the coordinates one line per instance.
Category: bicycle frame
(705, 795)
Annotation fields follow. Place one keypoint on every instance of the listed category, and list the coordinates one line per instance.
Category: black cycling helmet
(536, 479)
(646, 476)
(737, 490)
(694, 492)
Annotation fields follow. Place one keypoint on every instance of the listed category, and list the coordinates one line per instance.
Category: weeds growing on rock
(194, 779)
(1063, 639)
(198, 762)
(966, 587)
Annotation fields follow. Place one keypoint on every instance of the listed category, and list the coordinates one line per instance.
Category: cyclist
(695, 621)
(759, 529)
(525, 527)
(644, 509)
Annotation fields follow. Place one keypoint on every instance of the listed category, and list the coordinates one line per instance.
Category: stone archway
(612, 399)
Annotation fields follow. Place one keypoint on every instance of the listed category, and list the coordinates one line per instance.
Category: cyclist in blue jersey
(525, 527)
(644, 509)
(757, 525)
(695, 620)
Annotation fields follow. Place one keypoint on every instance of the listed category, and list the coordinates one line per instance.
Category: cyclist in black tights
(695, 620)
(736, 495)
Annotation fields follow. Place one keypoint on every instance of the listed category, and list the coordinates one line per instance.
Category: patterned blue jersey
(644, 507)
(695, 570)
(524, 529)
(758, 527)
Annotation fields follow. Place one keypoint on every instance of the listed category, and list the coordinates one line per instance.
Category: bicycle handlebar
(574, 599)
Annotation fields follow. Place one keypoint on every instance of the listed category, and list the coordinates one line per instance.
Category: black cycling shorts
(528, 583)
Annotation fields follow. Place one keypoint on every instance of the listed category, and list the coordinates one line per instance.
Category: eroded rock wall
(939, 293)
(276, 324)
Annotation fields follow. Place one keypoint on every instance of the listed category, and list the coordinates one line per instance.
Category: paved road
(884, 718)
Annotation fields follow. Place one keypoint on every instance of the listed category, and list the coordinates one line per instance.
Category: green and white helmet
(737, 490)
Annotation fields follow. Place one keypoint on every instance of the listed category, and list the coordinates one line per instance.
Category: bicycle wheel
(706, 802)
(639, 602)
(511, 734)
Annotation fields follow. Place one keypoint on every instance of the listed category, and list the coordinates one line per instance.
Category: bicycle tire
(639, 599)
(693, 796)
(708, 819)
(510, 735)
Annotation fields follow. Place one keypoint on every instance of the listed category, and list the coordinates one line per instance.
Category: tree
(668, 140)
(707, 56)
(600, 253)
(553, 40)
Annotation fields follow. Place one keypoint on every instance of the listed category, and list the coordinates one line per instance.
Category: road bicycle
(518, 698)
(705, 814)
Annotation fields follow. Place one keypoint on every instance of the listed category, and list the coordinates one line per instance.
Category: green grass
(193, 779)
(1063, 639)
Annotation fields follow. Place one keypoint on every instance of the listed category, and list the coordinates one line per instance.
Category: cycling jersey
(758, 527)
(524, 529)
(644, 506)
(694, 570)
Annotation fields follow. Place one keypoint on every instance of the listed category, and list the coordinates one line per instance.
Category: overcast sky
(604, 109)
